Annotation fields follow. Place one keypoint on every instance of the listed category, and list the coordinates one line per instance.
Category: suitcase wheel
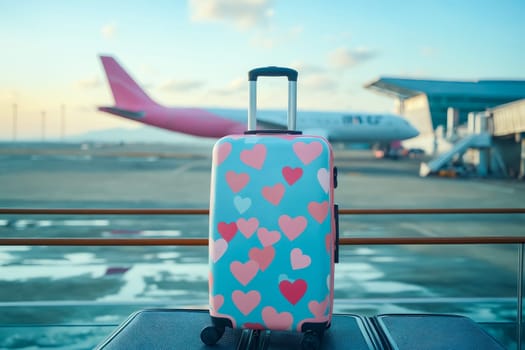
(311, 341)
(210, 335)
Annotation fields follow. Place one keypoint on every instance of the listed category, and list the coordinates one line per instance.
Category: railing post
(521, 253)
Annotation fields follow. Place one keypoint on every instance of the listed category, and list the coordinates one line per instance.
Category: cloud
(88, 83)
(263, 42)
(181, 85)
(271, 39)
(243, 14)
(109, 31)
(306, 68)
(236, 86)
(344, 58)
(319, 82)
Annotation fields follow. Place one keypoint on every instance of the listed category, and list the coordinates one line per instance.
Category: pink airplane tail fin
(126, 92)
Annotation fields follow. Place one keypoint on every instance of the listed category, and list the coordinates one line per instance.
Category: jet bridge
(500, 130)
(508, 129)
(480, 141)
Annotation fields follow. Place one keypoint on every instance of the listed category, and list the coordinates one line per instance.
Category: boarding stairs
(479, 140)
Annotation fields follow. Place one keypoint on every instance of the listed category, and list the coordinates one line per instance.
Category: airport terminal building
(434, 104)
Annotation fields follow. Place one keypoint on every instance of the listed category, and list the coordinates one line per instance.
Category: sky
(198, 52)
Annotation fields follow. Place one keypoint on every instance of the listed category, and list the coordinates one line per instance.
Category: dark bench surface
(158, 329)
(434, 332)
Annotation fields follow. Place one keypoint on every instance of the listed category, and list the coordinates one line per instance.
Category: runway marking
(420, 229)
(186, 167)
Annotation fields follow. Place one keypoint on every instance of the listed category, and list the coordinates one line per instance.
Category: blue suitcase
(272, 228)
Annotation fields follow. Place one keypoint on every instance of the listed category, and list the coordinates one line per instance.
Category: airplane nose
(413, 132)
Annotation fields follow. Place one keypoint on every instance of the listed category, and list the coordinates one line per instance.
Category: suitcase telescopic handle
(273, 71)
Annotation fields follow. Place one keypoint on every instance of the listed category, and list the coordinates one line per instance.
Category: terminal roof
(405, 88)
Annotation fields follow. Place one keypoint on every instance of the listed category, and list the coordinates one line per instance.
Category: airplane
(132, 102)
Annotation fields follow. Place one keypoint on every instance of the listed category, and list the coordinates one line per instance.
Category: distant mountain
(140, 134)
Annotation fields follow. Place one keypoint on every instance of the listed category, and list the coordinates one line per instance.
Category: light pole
(62, 121)
(43, 125)
(15, 117)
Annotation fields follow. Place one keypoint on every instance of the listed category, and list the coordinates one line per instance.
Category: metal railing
(203, 241)
(68, 241)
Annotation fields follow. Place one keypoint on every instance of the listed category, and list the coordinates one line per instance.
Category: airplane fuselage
(132, 102)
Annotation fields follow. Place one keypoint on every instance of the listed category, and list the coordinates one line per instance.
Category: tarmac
(166, 173)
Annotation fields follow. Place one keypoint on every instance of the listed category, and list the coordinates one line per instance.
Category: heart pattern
(223, 151)
(273, 194)
(217, 302)
(292, 227)
(318, 309)
(227, 230)
(237, 181)
(218, 249)
(293, 291)
(247, 226)
(244, 273)
(279, 321)
(263, 257)
(307, 152)
(319, 211)
(246, 302)
(271, 256)
(323, 176)
(242, 204)
(267, 238)
(254, 157)
(299, 260)
(292, 175)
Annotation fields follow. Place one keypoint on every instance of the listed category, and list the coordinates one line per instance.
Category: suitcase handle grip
(273, 71)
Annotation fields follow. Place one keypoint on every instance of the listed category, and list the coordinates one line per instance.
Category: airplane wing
(277, 121)
(317, 132)
(268, 125)
(126, 113)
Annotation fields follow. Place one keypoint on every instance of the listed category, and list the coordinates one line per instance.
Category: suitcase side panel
(271, 231)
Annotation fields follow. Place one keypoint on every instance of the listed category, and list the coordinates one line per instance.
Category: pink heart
(293, 291)
(319, 211)
(268, 238)
(227, 230)
(323, 176)
(318, 309)
(307, 152)
(246, 302)
(216, 302)
(299, 260)
(219, 248)
(279, 321)
(237, 181)
(292, 227)
(247, 227)
(273, 194)
(254, 157)
(328, 242)
(223, 151)
(291, 175)
(244, 273)
(263, 257)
